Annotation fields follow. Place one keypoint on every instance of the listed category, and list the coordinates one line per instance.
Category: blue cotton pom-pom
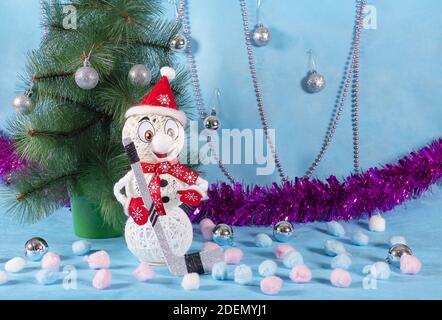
(267, 268)
(47, 276)
(263, 240)
(219, 271)
(292, 259)
(359, 238)
(335, 229)
(333, 247)
(342, 261)
(81, 247)
(380, 270)
(243, 274)
(397, 240)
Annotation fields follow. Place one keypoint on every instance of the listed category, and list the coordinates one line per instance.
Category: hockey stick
(199, 262)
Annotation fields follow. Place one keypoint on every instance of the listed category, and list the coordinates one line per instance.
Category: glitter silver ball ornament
(35, 248)
(86, 77)
(139, 75)
(222, 234)
(261, 36)
(178, 43)
(283, 231)
(212, 122)
(314, 82)
(396, 252)
(22, 103)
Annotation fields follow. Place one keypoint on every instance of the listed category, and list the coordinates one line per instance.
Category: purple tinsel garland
(304, 200)
(9, 161)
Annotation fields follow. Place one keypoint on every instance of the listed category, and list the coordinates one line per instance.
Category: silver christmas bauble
(314, 82)
(396, 252)
(261, 35)
(212, 122)
(22, 103)
(178, 43)
(222, 234)
(86, 77)
(36, 248)
(140, 75)
(283, 231)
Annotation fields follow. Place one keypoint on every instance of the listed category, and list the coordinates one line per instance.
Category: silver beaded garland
(86, 77)
(283, 231)
(22, 102)
(261, 35)
(222, 234)
(35, 248)
(212, 122)
(178, 43)
(314, 82)
(396, 252)
(139, 75)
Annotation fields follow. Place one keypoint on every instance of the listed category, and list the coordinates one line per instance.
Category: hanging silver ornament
(35, 248)
(283, 231)
(139, 75)
(261, 35)
(396, 252)
(222, 234)
(178, 43)
(314, 82)
(22, 102)
(86, 77)
(212, 122)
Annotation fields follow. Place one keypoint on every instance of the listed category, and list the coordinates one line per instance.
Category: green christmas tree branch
(72, 138)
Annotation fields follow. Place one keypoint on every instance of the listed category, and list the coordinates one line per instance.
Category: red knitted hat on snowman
(159, 100)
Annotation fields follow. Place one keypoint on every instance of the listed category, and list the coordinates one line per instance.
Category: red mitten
(138, 211)
(190, 197)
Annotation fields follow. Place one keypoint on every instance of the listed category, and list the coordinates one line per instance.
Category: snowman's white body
(141, 239)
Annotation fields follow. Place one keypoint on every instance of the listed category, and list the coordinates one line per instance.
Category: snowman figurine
(156, 127)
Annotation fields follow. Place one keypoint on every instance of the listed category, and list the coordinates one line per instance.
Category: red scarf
(139, 212)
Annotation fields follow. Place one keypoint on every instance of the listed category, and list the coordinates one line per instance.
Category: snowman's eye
(146, 131)
(171, 128)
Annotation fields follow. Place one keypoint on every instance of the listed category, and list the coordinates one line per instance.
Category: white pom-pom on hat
(168, 72)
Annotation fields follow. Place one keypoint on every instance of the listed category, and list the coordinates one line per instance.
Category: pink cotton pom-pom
(233, 255)
(340, 278)
(207, 246)
(271, 285)
(51, 261)
(102, 279)
(301, 274)
(282, 249)
(98, 260)
(144, 272)
(206, 227)
(410, 264)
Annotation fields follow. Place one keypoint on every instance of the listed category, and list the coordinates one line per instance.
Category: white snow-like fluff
(16, 264)
(191, 281)
(376, 223)
(3, 277)
(335, 229)
(397, 240)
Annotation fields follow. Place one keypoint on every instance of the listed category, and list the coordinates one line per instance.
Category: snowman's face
(156, 138)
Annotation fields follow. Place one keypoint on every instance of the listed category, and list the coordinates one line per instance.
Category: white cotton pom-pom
(15, 264)
(376, 223)
(3, 277)
(191, 281)
(168, 72)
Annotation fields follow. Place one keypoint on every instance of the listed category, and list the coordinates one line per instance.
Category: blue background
(400, 110)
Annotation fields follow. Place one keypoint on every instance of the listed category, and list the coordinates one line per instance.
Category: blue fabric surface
(420, 222)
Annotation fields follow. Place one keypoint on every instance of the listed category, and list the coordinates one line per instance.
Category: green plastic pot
(88, 222)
